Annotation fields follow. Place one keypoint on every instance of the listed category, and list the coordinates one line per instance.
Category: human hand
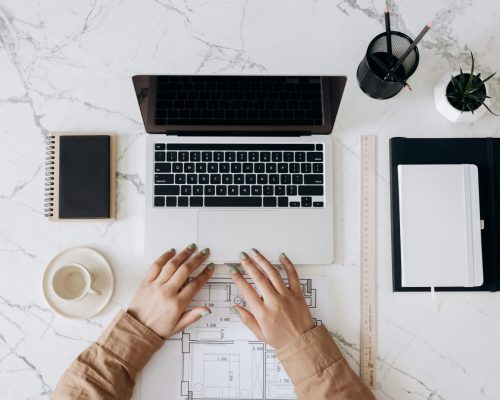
(281, 315)
(160, 302)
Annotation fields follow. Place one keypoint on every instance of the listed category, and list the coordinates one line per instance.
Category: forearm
(319, 371)
(107, 368)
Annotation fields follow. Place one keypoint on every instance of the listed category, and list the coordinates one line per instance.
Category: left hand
(161, 301)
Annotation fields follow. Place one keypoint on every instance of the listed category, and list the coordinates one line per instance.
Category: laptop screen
(265, 104)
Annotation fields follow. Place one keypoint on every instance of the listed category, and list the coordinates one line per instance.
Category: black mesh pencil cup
(378, 74)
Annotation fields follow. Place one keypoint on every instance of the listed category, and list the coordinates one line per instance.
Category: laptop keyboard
(240, 100)
(238, 175)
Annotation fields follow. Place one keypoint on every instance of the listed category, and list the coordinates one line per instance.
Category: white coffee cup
(72, 282)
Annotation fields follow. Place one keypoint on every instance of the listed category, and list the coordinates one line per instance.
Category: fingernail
(284, 255)
(206, 250)
(211, 266)
(192, 246)
(172, 250)
(254, 251)
(205, 313)
(234, 270)
(243, 255)
(235, 310)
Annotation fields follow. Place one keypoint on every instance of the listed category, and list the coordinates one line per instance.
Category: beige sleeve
(108, 367)
(319, 371)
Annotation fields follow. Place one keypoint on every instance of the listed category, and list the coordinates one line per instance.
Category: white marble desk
(66, 65)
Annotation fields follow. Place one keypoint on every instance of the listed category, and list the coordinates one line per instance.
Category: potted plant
(463, 97)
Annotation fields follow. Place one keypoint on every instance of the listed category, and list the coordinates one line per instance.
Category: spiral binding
(49, 176)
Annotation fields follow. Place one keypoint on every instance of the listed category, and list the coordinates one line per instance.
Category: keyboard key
(186, 190)
(235, 168)
(247, 168)
(305, 201)
(259, 168)
(224, 167)
(233, 202)
(279, 190)
(244, 190)
(215, 179)
(166, 190)
(250, 179)
(180, 179)
(206, 156)
(213, 167)
(227, 179)
(232, 190)
(271, 168)
(274, 179)
(171, 156)
(203, 179)
(183, 156)
(171, 201)
(221, 190)
(269, 201)
(291, 190)
(241, 156)
(283, 168)
(164, 179)
(318, 204)
(239, 179)
(197, 190)
(163, 167)
(159, 146)
(218, 156)
(314, 156)
(305, 168)
(265, 156)
(300, 156)
(159, 156)
(268, 190)
(311, 190)
(253, 156)
(277, 156)
(201, 167)
(282, 201)
(294, 168)
(196, 201)
(262, 179)
(288, 156)
(195, 156)
(159, 201)
(319, 147)
(209, 190)
(182, 201)
(317, 168)
(297, 179)
(189, 167)
(176, 167)
(285, 179)
(295, 204)
(313, 179)
(230, 156)
(256, 190)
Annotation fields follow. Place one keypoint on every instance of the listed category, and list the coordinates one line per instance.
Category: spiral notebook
(80, 176)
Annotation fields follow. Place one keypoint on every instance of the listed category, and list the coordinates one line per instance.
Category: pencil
(411, 47)
(389, 72)
(388, 34)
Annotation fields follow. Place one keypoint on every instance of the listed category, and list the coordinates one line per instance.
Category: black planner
(482, 152)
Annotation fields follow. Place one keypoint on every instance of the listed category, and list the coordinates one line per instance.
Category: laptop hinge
(238, 133)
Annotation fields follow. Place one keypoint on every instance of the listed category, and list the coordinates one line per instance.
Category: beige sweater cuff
(130, 341)
(310, 354)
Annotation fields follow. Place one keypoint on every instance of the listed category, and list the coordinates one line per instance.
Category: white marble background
(66, 65)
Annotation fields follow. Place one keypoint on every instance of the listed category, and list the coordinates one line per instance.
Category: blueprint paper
(218, 357)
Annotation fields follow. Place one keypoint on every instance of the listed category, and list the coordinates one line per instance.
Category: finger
(182, 273)
(271, 272)
(291, 273)
(189, 317)
(259, 278)
(158, 264)
(249, 293)
(192, 288)
(175, 262)
(249, 320)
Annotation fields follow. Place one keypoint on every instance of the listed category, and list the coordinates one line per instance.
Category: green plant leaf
(471, 109)
(489, 77)
(471, 76)
(489, 109)
(456, 84)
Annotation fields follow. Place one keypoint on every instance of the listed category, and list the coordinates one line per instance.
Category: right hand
(281, 315)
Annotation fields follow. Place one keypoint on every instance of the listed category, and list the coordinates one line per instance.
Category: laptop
(240, 162)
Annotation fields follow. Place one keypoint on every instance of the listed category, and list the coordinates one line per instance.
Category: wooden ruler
(368, 349)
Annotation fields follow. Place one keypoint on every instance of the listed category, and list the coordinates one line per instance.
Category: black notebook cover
(483, 152)
(84, 176)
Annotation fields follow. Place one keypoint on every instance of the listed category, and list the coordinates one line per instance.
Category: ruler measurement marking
(368, 339)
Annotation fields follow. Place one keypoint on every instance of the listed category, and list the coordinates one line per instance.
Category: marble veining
(66, 65)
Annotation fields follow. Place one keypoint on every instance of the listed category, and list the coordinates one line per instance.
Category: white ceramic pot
(447, 110)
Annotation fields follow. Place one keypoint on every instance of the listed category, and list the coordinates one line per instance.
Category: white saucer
(91, 304)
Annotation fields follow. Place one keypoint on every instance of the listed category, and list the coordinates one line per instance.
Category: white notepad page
(440, 225)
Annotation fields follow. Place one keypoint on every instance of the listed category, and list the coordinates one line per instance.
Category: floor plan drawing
(219, 358)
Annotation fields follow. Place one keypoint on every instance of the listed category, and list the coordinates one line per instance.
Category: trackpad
(227, 233)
